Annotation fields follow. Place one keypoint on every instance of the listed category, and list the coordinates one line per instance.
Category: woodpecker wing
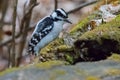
(43, 28)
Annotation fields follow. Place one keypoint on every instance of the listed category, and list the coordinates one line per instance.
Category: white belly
(50, 37)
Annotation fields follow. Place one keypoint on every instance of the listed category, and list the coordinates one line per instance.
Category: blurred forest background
(19, 17)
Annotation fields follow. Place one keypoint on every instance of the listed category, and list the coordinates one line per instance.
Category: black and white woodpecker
(47, 30)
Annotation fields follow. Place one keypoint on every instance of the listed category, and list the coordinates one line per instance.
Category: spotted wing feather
(42, 29)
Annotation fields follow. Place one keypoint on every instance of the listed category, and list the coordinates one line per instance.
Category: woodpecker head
(60, 15)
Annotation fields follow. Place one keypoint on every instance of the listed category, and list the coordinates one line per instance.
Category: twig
(9, 40)
(25, 23)
(55, 4)
(5, 23)
(9, 57)
(16, 36)
(5, 6)
(26, 15)
(13, 33)
(21, 32)
(81, 6)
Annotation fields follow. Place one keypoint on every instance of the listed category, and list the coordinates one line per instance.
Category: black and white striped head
(60, 15)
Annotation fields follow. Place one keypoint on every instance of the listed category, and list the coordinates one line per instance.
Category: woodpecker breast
(43, 28)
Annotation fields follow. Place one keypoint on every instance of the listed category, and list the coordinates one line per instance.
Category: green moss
(115, 57)
(112, 72)
(109, 30)
(106, 31)
(62, 47)
(49, 64)
(82, 25)
(52, 46)
(79, 26)
(8, 71)
(44, 65)
(60, 72)
(57, 73)
(92, 78)
(69, 58)
(81, 72)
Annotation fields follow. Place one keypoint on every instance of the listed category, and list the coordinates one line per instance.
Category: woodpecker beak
(66, 20)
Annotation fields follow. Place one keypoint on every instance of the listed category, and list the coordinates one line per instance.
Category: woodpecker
(47, 30)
